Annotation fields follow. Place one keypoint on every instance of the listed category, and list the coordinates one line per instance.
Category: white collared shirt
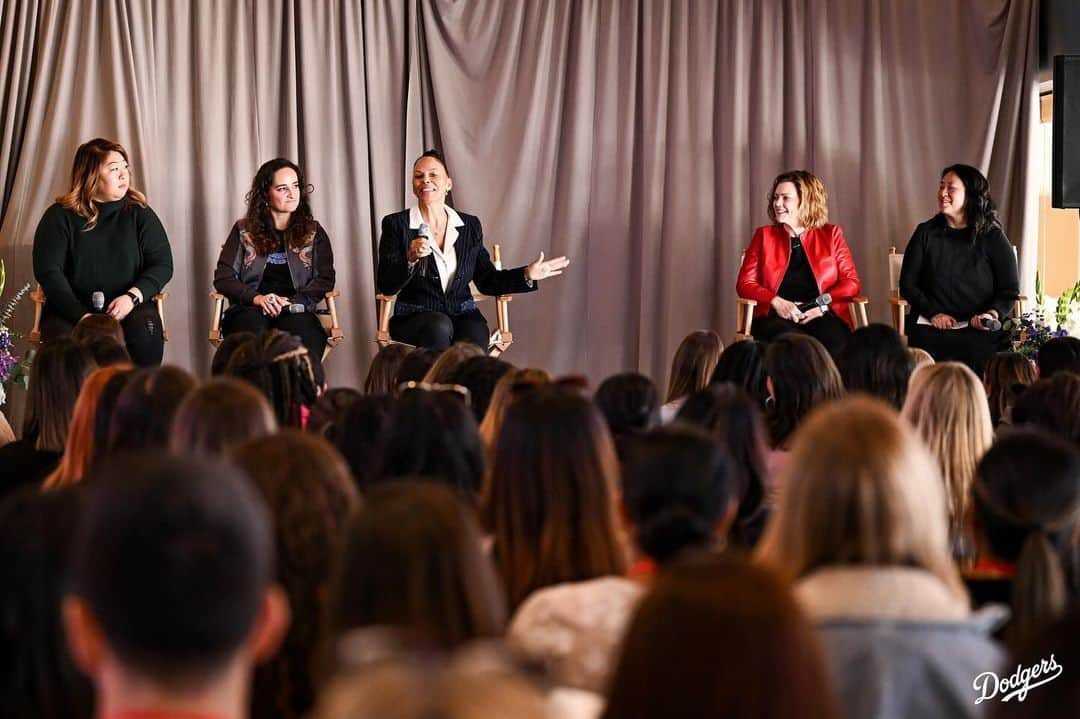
(445, 258)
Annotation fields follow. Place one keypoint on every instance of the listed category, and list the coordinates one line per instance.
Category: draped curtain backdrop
(639, 138)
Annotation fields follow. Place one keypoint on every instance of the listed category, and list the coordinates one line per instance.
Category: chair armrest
(38, 297)
(744, 317)
(857, 308)
(898, 302)
(215, 319)
(334, 330)
(385, 312)
(159, 300)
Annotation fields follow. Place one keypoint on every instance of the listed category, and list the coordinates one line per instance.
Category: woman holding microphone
(428, 255)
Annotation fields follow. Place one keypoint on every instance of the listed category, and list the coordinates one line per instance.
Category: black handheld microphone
(424, 232)
(993, 324)
(823, 301)
(97, 301)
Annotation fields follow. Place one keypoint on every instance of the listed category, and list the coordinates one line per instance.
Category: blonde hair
(813, 199)
(89, 159)
(693, 364)
(79, 447)
(449, 359)
(920, 357)
(501, 397)
(859, 488)
(946, 404)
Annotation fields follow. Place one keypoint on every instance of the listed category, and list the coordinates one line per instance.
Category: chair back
(896, 261)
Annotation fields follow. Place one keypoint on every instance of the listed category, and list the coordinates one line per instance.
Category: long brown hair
(803, 376)
(715, 638)
(310, 492)
(79, 449)
(56, 378)
(549, 495)
(693, 364)
(258, 220)
(89, 159)
(220, 414)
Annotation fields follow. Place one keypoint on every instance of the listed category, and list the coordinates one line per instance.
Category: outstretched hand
(542, 269)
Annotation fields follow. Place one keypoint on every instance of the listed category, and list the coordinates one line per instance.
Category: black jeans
(305, 325)
(828, 329)
(438, 331)
(968, 345)
(142, 332)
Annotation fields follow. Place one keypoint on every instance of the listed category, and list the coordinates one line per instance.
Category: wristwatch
(134, 298)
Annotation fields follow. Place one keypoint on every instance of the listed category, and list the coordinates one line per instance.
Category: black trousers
(305, 325)
(828, 329)
(142, 332)
(968, 345)
(438, 331)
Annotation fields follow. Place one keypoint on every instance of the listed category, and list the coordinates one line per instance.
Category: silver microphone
(97, 301)
(296, 308)
(993, 324)
(424, 232)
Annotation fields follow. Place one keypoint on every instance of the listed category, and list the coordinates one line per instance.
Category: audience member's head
(79, 451)
(171, 592)
(1059, 354)
(145, 408)
(743, 363)
(225, 349)
(629, 402)
(733, 419)
(93, 326)
(506, 389)
(479, 375)
(860, 489)
(693, 363)
(414, 560)
(919, 357)
(549, 494)
(103, 414)
(1027, 505)
(802, 376)
(307, 486)
(678, 492)
(1004, 372)
(876, 361)
(218, 415)
(279, 365)
(946, 404)
(449, 359)
(718, 638)
(37, 675)
(382, 375)
(359, 433)
(56, 377)
(107, 352)
(432, 433)
(415, 366)
(329, 407)
(1053, 405)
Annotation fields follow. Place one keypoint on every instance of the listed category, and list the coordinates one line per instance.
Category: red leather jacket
(830, 260)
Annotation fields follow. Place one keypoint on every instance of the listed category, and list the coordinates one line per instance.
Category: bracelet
(134, 298)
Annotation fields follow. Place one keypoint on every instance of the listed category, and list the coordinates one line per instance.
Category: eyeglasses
(457, 389)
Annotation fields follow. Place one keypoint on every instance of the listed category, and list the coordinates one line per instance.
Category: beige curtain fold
(639, 138)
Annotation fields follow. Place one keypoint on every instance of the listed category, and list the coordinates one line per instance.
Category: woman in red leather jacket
(795, 260)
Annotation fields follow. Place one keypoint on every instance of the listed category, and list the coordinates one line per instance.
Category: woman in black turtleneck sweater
(960, 272)
(103, 237)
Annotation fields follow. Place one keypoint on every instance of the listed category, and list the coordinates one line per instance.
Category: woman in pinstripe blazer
(428, 254)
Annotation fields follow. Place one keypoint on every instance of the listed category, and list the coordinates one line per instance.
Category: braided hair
(278, 364)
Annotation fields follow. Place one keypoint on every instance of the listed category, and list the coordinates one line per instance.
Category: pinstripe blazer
(418, 291)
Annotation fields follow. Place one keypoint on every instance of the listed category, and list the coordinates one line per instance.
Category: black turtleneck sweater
(947, 271)
(127, 248)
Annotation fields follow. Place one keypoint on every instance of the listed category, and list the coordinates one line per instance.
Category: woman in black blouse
(959, 274)
(277, 263)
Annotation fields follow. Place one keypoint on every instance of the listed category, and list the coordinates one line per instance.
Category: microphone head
(993, 324)
(97, 299)
(424, 231)
(825, 299)
(296, 308)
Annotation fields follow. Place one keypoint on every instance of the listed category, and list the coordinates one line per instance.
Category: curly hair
(813, 199)
(258, 220)
(979, 208)
(278, 364)
(89, 159)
